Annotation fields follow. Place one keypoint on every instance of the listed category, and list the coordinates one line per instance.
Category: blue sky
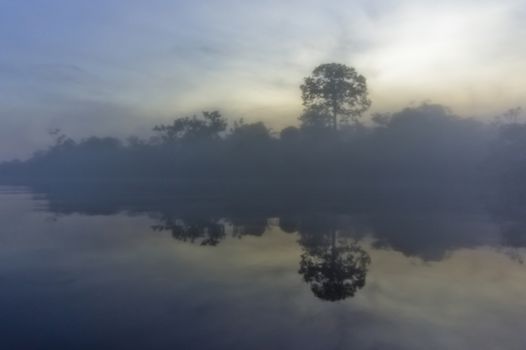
(116, 67)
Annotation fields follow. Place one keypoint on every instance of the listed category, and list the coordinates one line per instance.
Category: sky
(118, 67)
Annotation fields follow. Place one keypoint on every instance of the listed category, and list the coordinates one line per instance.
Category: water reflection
(203, 231)
(336, 269)
(427, 224)
(172, 266)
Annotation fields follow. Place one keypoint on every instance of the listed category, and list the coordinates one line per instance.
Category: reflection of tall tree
(336, 270)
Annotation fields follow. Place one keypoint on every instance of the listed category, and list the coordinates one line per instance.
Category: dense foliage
(421, 145)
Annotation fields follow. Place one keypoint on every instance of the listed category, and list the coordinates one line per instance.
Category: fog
(422, 145)
(322, 174)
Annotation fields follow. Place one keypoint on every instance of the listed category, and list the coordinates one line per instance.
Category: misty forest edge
(420, 145)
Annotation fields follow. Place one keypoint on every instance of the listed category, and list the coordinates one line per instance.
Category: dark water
(142, 269)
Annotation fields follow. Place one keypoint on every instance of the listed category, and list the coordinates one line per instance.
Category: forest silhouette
(420, 146)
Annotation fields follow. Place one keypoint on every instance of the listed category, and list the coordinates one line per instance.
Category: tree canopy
(332, 94)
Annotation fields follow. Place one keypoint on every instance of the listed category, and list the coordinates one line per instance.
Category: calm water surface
(144, 270)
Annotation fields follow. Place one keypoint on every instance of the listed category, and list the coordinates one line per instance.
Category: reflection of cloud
(462, 299)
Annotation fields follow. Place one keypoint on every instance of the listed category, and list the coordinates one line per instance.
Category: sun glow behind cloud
(460, 56)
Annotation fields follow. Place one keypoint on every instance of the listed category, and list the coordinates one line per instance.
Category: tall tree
(335, 90)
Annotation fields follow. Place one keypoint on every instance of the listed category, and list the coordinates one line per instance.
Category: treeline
(418, 146)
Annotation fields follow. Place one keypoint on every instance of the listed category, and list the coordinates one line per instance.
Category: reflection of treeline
(418, 145)
(423, 223)
(333, 263)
